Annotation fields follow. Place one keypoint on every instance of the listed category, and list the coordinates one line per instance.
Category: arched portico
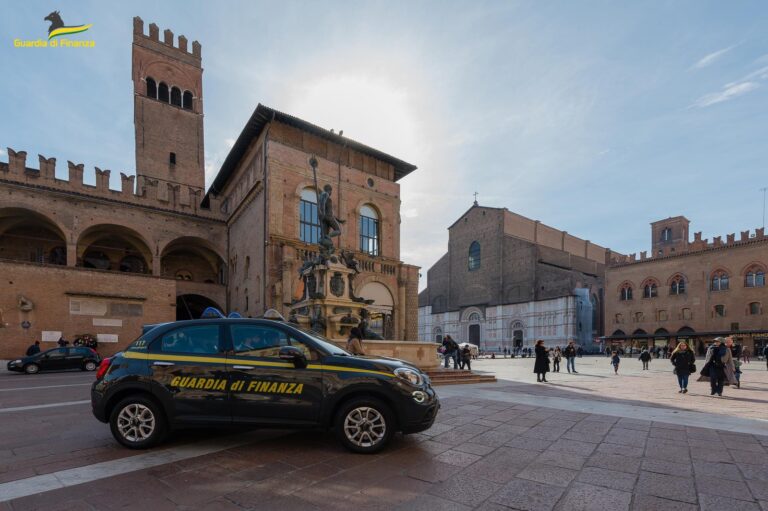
(28, 236)
(114, 247)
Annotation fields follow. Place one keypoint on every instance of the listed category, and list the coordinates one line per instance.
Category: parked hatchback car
(57, 359)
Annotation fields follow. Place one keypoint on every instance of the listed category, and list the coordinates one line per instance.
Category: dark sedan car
(57, 359)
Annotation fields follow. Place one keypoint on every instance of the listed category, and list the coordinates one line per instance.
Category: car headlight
(17, 361)
(413, 377)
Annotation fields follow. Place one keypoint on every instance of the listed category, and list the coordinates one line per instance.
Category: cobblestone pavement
(487, 454)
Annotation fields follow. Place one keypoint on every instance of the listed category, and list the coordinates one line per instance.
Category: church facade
(77, 259)
(507, 281)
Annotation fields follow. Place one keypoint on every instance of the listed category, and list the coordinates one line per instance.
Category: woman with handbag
(685, 364)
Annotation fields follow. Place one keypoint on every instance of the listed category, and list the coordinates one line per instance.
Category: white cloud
(729, 92)
(2, 152)
(712, 57)
(230, 142)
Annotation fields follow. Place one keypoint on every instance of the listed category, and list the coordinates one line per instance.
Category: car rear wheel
(137, 422)
(364, 425)
(89, 366)
(31, 368)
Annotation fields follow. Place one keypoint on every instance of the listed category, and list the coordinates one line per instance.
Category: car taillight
(103, 368)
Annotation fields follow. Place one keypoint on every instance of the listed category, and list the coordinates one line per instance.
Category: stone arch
(753, 265)
(469, 311)
(195, 255)
(382, 310)
(191, 306)
(105, 246)
(29, 236)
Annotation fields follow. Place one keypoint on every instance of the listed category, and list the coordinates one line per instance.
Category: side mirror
(293, 354)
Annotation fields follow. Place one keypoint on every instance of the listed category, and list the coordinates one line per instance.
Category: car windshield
(324, 342)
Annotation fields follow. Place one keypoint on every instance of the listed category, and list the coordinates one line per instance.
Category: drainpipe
(266, 218)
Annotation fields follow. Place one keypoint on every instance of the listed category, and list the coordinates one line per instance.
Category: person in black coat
(34, 349)
(541, 366)
(683, 360)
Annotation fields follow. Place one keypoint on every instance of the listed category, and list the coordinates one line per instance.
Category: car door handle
(244, 368)
(164, 364)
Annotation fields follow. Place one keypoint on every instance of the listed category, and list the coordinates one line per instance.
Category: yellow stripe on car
(240, 361)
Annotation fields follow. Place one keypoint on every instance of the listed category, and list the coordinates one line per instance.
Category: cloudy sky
(596, 117)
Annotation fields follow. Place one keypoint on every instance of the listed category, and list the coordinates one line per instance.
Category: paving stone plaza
(584, 441)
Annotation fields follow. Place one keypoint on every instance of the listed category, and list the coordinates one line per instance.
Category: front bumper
(13, 366)
(420, 416)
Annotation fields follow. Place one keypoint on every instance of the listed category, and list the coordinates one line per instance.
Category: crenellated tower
(168, 109)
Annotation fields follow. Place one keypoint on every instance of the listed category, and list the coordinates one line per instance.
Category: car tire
(31, 368)
(364, 425)
(137, 422)
(90, 366)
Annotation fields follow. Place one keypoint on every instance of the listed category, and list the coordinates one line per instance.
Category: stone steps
(458, 377)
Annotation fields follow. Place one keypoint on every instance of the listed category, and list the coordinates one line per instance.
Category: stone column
(71, 254)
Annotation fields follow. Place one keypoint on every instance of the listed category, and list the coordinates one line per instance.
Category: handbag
(693, 368)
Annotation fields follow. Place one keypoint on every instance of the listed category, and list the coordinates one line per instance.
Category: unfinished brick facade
(80, 259)
(522, 281)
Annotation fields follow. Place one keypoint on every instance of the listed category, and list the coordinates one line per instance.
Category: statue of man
(328, 221)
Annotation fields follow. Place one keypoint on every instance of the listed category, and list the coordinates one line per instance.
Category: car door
(264, 388)
(74, 358)
(187, 367)
(53, 360)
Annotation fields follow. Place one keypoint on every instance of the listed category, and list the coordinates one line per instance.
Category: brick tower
(168, 109)
(669, 236)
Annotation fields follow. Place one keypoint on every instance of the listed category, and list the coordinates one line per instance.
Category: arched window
(151, 88)
(686, 313)
(474, 317)
(162, 92)
(369, 230)
(309, 224)
(626, 292)
(474, 256)
(175, 96)
(755, 309)
(438, 334)
(755, 277)
(187, 103)
(719, 281)
(677, 285)
(650, 289)
(666, 234)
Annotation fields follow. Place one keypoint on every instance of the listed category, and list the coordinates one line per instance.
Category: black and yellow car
(260, 372)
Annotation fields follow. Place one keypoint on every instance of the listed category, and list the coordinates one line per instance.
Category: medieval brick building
(689, 290)
(79, 259)
(507, 280)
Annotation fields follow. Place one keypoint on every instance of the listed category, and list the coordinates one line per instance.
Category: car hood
(377, 363)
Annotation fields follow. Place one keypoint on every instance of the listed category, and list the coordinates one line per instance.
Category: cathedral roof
(258, 121)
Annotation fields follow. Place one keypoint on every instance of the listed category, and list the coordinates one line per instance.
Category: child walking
(615, 361)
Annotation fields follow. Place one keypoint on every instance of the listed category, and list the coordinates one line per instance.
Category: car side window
(57, 353)
(198, 340)
(264, 341)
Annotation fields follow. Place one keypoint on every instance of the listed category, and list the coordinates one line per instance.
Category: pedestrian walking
(745, 354)
(556, 357)
(451, 352)
(570, 356)
(714, 366)
(733, 354)
(355, 342)
(737, 372)
(615, 361)
(62, 342)
(541, 366)
(466, 358)
(685, 364)
(765, 355)
(645, 357)
(580, 353)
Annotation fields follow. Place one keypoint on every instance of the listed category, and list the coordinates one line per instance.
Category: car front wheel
(137, 423)
(364, 425)
(31, 368)
(89, 366)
